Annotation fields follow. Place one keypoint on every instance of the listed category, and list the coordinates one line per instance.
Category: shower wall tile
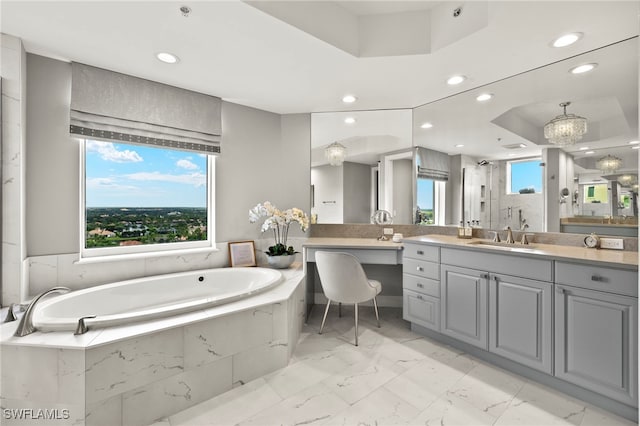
(220, 337)
(128, 364)
(146, 404)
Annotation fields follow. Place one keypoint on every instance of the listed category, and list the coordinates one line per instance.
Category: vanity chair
(343, 280)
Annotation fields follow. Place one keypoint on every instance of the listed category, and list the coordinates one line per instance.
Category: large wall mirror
(375, 172)
(503, 171)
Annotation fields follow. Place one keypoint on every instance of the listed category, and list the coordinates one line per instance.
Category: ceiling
(245, 55)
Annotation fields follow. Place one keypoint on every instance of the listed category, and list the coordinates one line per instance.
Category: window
(596, 193)
(139, 198)
(524, 176)
(430, 198)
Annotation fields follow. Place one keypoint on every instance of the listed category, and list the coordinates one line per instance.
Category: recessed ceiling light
(566, 39)
(589, 152)
(584, 148)
(459, 145)
(426, 125)
(635, 147)
(349, 120)
(512, 155)
(349, 99)
(523, 145)
(634, 142)
(484, 97)
(167, 58)
(580, 69)
(456, 79)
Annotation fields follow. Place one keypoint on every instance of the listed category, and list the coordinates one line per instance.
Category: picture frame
(242, 253)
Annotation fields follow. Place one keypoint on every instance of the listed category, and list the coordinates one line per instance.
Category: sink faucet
(26, 325)
(510, 239)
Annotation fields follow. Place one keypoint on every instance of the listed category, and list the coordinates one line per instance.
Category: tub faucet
(510, 239)
(26, 325)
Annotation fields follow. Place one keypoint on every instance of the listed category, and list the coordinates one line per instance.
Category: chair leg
(325, 315)
(356, 305)
(375, 307)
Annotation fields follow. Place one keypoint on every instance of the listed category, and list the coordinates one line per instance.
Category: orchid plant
(278, 221)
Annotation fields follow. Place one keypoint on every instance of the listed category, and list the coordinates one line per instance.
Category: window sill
(146, 255)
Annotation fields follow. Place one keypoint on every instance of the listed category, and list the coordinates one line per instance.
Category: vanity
(564, 316)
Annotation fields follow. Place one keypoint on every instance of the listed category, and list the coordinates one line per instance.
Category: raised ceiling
(236, 51)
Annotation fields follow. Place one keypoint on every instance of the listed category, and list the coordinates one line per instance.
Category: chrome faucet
(496, 237)
(26, 325)
(510, 239)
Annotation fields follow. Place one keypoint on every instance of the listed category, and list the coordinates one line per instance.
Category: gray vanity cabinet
(421, 285)
(463, 295)
(596, 332)
(520, 320)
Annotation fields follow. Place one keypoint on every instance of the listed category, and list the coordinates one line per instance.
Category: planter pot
(281, 262)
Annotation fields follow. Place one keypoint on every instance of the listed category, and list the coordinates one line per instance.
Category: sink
(517, 247)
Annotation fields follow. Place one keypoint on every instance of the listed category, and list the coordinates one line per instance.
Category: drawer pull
(598, 278)
(420, 269)
(420, 285)
(420, 252)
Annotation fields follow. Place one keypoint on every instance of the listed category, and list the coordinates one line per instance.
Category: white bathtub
(147, 298)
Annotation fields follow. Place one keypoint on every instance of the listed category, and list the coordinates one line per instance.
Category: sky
(525, 174)
(425, 194)
(122, 175)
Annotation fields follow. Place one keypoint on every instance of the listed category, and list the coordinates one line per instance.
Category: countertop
(627, 259)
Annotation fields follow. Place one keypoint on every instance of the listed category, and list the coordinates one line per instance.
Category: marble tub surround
(136, 374)
(374, 231)
(394, 377)
(67, 269)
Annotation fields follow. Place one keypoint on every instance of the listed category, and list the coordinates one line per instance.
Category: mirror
(501, 161)
(498, 136)
(376, 172)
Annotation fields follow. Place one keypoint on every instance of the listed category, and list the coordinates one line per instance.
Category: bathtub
(152, 297)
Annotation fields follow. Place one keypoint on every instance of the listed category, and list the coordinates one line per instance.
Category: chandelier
(609, 164)
(565, 129)
(627, 180)
(335, 153)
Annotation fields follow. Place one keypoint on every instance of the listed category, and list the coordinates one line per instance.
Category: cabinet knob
(560, 290)
(420, 268)
(420, 285)
(419, 297)
(420, 252)
(484, 276)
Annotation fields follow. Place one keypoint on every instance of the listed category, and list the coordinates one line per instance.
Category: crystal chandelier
(335, 153)
(627, 180)
(609, 164)
(565, 129)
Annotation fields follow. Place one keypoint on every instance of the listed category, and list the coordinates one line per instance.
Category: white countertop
(353, 243)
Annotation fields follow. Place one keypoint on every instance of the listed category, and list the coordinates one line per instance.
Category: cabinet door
(421, 309)
(520, 320)
(596, 342)
(463, 296)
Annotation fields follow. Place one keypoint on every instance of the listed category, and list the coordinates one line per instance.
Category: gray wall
(403, 191)
(357, 193)
(265, 156)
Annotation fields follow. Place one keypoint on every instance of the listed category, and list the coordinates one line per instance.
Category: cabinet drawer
(421, 309)
(421, 252)
(421, 285)
(509, 264)
(612, 280)
(421, 268)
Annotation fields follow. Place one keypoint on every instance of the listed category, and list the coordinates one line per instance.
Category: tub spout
(11, 316)
(82, 327)
(26, 325)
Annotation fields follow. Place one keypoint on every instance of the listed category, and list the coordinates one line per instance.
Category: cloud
(107, 183)
(186, 164)
(196, 179)
(109, 152)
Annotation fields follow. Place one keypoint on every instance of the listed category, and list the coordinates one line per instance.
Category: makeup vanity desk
(369, 251)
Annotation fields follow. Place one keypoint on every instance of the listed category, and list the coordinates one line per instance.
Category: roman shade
(432, 164)
(112, 106)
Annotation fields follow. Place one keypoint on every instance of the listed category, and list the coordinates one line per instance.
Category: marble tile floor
(394, 377)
